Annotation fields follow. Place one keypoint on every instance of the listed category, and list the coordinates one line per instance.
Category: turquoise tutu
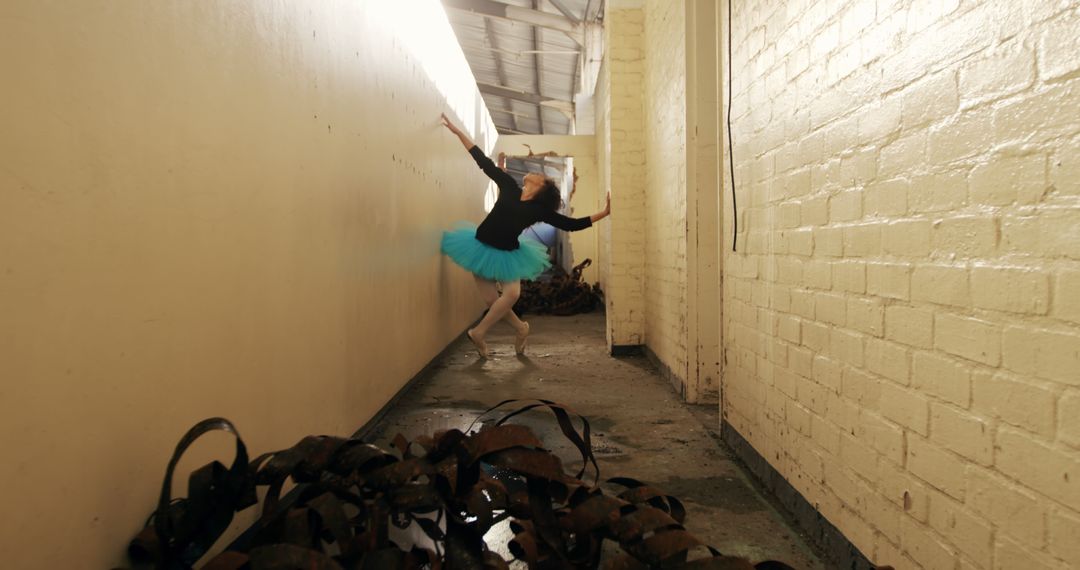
(526, 262)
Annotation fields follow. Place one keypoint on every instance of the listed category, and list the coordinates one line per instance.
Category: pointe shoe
(481, 346)
(521, 340)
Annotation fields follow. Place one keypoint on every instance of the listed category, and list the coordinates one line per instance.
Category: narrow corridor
(641, 428)
(857, 221)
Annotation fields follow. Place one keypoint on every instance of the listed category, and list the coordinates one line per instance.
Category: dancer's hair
(549, 195)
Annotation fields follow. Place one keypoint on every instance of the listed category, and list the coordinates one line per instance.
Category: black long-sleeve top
(511, 215)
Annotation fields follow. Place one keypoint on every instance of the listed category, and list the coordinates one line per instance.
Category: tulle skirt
(526, 262)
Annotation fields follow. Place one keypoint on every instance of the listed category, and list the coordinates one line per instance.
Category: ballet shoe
(521, 340)
(481, 346)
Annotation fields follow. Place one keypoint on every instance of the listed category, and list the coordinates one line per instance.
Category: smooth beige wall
(213, 208)
(902, 317)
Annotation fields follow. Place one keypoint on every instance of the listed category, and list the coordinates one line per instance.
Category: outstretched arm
(602, 213)
(504, 181)
(569, 224)
(465, 140)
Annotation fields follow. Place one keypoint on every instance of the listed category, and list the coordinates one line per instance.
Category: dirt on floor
(640, 428)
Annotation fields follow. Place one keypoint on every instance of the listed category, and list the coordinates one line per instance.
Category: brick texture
(929, 149)
(621, 155)
(664, 95)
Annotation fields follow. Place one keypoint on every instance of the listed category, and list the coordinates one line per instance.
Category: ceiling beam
(594, 10)
(492, 9)
(508, 112)
(558, 4)
(538, 68)
(565, 107)
(517, 95)
(500, 71)
(518, 54)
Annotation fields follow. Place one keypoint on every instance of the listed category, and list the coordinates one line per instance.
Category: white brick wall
(621, 154)
(902, 318)
(665, 182)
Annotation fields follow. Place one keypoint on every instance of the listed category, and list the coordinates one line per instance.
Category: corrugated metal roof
(526, 58)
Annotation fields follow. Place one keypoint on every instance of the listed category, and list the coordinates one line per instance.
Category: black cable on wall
(731, 150)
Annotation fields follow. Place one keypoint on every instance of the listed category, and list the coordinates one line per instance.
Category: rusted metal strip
(349, 492)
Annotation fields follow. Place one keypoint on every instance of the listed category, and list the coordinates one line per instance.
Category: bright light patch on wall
(425, 29)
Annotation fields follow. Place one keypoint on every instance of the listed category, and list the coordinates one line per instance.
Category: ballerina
(492, 251)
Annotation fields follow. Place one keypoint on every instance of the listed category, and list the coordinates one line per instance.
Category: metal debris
(453, 485)
(561, 295)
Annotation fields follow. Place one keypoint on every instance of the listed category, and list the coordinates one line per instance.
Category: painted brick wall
(621, 154)
(602, 132)
(902, 318)
(665, 183)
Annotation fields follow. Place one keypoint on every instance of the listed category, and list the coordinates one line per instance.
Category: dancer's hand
(603, 213)
(448, 124)
(465, 140)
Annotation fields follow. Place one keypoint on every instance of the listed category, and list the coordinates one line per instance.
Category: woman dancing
(492, 252)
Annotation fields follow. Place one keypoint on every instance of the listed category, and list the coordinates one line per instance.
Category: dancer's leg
(489, 293)
(500, 309)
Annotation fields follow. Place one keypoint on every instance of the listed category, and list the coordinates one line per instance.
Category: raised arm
(464, 138)
(501, 178)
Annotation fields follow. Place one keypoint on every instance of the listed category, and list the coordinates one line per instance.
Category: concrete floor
(640, 428)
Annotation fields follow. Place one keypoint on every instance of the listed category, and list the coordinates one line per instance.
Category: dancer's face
(534, 180)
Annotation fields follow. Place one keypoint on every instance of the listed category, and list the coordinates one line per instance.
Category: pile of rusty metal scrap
(562, 294)
(355, 505)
